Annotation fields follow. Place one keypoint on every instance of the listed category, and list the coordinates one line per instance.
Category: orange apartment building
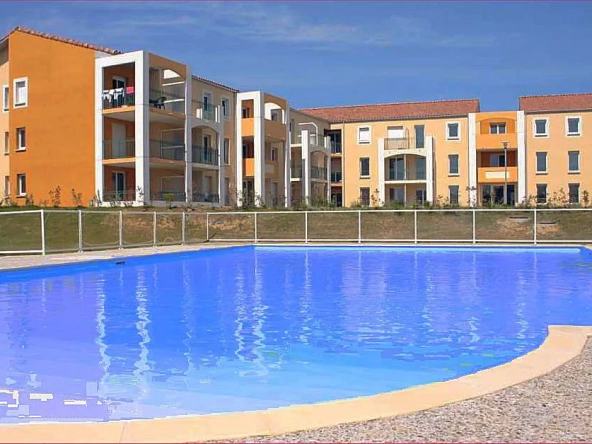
(137, 128)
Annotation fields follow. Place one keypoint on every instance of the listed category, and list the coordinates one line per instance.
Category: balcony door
(118, 140)
(118, 184)
(396, 168)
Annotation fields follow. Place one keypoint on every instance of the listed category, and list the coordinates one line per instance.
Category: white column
(188, 139)
(381, 184)
(306, 155)
(521, 138)
(328, 165)
(142, 133)
(287, 160)
(99, 170)
(472, 159)
(221, 167)
(429, 147)
(259, 146)
(238, 113)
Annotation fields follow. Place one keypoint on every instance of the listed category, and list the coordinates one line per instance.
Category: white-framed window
(5, 98)
(225, 105)
(573, 126)
(453, 169)
(453, 193)
(6, 186)
(364, 167)
(21, 139)
(540, 127)
(21, 183)
(21, 92)
(452, 130)
(541, 192)
(246, 113)
(364, 135)
(574, 193)
(226, 151)
(541, 162)
(497, 128)
(573, 161)
(6, 142)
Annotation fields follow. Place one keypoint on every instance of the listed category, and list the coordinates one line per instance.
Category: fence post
(43, 232)
(183, 228)
(415, 226)
(207, 226)
(255, 223)
(154, 222)
(534, 228)
(80, 231)
(359, 226)
(306, 227)
(120, 229)
(474, 227)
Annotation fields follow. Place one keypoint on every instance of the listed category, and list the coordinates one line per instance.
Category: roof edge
(390, 103)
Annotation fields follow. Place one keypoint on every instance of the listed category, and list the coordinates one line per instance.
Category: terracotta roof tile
(219, 85)
(393, 111)
(556, 102)
(62, 40)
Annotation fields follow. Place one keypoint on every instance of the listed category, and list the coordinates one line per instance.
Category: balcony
(405, 175)
(169, 195)
(168, 100)
(119, 97)
(406, 143)
(335, 147)
(249, 167)
(119, 196)
(497, 174)
(213, 198)
(162, 149)
(205, 111)
(319, 173)
(119, 149)
(336, 177)
(207, 155)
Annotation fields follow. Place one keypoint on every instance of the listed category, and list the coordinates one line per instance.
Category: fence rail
(49, 231)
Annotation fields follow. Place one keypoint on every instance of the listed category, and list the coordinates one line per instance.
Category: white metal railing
(53, 230)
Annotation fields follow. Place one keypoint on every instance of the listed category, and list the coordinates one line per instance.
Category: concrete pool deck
(563, 344)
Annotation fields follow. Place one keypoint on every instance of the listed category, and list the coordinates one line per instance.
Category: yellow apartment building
(138, 128)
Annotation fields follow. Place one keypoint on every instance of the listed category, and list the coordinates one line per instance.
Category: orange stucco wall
(59, 118)
(4, 124)
(488, 141)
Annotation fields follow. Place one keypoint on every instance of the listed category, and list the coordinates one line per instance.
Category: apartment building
(105, 127)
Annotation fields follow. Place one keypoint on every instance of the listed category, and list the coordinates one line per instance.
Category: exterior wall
(353, 151)
(4, 125)
(557, 145)
(59, 117)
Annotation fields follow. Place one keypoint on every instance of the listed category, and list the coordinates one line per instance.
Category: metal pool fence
(49, 231)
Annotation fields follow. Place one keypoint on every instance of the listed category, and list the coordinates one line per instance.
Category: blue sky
(333, 53)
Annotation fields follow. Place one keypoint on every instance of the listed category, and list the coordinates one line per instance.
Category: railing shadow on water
(53, 230)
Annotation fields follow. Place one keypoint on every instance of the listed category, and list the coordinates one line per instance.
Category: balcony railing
(162, 149)
(169, 195)
(199, 196)
(119, 97)
(406, 143)
(336, 177)
(405, 175)
(296, 171)
(318, 173)
(314, 139)
(119, 196)
(204, 111)
(335, 147)
(119, 149)
(203, 155)
(168, 100)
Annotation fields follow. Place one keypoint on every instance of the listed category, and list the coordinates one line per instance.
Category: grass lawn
(20, 231)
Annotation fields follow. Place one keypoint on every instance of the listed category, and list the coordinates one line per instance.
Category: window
(419, 136)
(20, 92)
(574, 193)
(453, 164)
(453, 191)
(274, 154)
(226, 152)
(225, 108)
(5, 98)
(21, 181)
(21, 139)
(497, 128)
(6, 186)
(540, 127)
(453, 131)
(6, 142)
(497, 160)
(365, 196)
(246, 113)
(364, 136)
(541, 191)
(573, 161)
(364, 167)
(572, 126)
(541, 162)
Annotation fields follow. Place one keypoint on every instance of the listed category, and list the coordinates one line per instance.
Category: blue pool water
(260, 327)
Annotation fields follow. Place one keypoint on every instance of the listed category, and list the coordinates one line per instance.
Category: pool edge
(562, 344)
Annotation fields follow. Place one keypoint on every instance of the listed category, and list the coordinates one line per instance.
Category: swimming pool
(248, 328)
